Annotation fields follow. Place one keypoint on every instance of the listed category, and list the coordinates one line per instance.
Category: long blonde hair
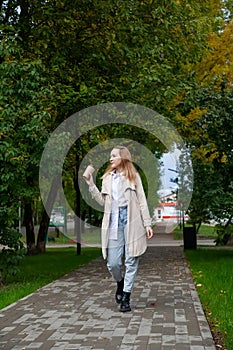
(126, 165)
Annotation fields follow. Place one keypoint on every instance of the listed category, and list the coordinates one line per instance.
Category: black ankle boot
(125, 305)
(119, 291)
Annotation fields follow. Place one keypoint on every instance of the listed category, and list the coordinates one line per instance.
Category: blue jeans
(117, 249)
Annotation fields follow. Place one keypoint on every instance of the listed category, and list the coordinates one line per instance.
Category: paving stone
(78, 311)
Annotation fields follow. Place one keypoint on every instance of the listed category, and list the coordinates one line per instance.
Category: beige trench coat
(138, 214)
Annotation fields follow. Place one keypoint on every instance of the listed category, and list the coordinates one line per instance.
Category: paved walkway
(78, 311)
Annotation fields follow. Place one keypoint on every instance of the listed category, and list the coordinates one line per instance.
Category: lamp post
(189, 233)
(181, 216)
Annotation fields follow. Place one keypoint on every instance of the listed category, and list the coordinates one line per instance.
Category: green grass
(205, 232)
(212, 271)
(39, 270)
(88, 236)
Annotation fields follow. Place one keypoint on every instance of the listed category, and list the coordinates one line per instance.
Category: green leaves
(23, 118)
(11, 254)
(60, 57)
(207, 128)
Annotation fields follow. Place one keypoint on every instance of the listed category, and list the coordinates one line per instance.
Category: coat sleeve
(97, 195)
(143, 203)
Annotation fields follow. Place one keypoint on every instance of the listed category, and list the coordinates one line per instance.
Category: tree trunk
(24, 22)
(44, 224)
(198, 226)
(57, 232)
(77, 221)
(29, 225)
(227, 236)
(41, 239)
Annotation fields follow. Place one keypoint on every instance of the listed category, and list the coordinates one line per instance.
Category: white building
(168, 210)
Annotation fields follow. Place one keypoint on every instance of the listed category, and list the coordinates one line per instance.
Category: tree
(211, 145)
(94, 51)
(118, 50)
(206, 112)
(216, 67)
(23, 133)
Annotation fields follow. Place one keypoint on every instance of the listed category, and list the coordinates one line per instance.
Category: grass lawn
(205, 232)
(212, 271)
(39, 270)
(88, 236)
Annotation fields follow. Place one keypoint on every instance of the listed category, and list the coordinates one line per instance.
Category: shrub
(224, 233)
(11, 253)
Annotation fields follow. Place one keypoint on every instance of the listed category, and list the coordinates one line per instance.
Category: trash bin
(190, 238)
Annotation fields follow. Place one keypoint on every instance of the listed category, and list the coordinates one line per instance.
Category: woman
(126, 222)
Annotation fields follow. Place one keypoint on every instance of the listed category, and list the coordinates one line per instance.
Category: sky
(169, 162)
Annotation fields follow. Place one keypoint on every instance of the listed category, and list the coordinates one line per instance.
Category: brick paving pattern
(79, 312)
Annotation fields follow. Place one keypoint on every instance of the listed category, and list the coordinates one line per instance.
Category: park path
(78, 311)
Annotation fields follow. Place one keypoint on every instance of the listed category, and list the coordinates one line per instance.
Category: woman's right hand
(90, 181)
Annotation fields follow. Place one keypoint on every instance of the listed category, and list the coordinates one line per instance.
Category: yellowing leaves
(223, 158)
(206, 152)
(217, 64)
(189, 125)
(194, 115)
(194, 128)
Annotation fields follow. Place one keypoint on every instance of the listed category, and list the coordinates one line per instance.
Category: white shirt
(118, 196)
(118, 200)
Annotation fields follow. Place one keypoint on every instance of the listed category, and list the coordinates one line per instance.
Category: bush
(11, 253)
(224, 233)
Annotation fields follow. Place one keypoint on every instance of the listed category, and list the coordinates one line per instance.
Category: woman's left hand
(149, 232)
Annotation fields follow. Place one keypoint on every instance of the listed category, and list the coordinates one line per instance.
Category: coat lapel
(107, 185)
(128, 185)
